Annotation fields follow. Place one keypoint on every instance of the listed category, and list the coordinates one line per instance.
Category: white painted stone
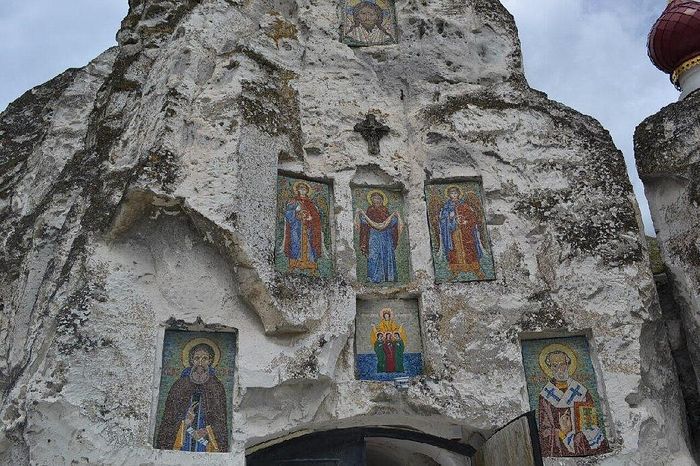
(689, 82)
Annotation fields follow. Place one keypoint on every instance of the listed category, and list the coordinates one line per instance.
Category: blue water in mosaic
(367, 367)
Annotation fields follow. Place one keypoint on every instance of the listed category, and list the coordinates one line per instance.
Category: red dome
(675, 38)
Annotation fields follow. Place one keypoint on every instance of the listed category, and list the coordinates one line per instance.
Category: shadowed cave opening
(400, 445)
(371, 446)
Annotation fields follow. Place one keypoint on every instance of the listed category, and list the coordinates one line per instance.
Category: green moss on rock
(655, 261)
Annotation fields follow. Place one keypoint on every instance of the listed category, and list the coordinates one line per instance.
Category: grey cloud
(591, 56)
(41, 38)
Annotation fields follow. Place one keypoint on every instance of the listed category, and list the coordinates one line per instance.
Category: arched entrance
(384, 446)
(399, 446)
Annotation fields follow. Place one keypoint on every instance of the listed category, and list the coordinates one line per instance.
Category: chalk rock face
(669, 164)
(139, 193)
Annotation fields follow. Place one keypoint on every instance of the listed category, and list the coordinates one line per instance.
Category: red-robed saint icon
(302, 230)
(461, 231)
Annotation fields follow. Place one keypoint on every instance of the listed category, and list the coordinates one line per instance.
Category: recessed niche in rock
(563, 388)
(460, 242)
(381, 237)
(303, 240)
(196, 383)
(388, 339)
(368, 22)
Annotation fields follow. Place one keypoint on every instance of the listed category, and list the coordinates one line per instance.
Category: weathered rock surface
(666, 148)
(139, 192)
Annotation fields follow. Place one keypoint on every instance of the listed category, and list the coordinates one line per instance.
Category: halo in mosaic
(460, 243)
(368, 22)
(563, 389)
(196, 389)
(388, 341)
(303, 238)
(381, 237)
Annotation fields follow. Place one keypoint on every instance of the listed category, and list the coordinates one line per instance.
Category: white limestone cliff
(139, 192)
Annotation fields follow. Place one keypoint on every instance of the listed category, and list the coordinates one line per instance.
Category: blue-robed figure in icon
(379, 236)
(460, 232)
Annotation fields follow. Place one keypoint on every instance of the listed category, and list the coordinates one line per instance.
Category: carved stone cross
(372, 131)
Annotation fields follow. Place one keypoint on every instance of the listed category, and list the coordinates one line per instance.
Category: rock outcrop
(669, 165)
(139, 193)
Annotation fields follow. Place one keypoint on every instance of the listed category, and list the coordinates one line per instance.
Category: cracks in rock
(85, 191)
(497, 156)
(682, 358)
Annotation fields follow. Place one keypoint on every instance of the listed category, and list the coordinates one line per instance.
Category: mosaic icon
(460, 242)
(381, 237)
(303, 239)
(195, 388)
(387, 340)
(368, 22)
(563, 389)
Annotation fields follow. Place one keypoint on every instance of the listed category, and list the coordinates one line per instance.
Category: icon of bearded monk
(195, 414)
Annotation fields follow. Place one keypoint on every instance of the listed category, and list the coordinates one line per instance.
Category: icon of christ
(367, 23)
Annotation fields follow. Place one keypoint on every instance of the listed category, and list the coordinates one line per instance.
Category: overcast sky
(592, 56)
(588, 54)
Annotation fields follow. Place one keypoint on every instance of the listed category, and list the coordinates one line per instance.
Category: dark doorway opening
(399, 446)
(380, 446)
